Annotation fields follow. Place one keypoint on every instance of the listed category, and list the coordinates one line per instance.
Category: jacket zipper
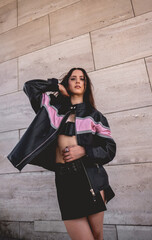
(91, 188)
(43, 142)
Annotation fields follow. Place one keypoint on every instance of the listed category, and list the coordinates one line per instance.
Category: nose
(77, 79)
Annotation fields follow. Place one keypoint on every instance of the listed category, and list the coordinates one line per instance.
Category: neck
(76, 99)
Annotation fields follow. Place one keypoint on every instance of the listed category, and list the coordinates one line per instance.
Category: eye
(82, 79)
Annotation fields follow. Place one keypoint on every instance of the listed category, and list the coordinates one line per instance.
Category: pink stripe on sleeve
(103, 130)
(54, 118)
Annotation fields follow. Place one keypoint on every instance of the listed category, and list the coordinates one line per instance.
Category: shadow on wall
(7, 231)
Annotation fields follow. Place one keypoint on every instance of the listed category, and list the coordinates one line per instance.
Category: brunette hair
(88, 95)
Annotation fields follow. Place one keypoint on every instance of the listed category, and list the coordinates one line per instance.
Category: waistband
(69, 167)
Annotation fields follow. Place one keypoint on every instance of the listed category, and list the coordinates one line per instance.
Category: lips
(77, 87)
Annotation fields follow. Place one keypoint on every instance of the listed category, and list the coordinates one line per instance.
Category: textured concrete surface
(133, 192)
(30, 10)
(124, 41)
(130, 130)
(28, 197)
(141, 6)
(8, 16)
(128, 80)
(15, 42)
(86, 16)
(134, 232)
(56, 60)
(8, 77)
(16, 112)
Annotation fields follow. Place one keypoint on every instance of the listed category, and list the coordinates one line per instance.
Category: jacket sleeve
(104, 146)
(35, 88)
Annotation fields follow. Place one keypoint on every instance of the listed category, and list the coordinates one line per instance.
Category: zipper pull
(93, 194)
(97, 165)
(92, 191)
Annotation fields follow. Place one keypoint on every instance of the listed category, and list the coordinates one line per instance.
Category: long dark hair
(88, 95)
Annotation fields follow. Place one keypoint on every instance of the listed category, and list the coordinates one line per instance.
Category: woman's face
(76, 83)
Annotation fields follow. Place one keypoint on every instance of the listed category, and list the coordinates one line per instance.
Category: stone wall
(112, 40)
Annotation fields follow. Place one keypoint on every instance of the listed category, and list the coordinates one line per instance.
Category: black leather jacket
(38, 144)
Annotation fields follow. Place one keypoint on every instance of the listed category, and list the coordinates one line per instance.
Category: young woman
(71, 137)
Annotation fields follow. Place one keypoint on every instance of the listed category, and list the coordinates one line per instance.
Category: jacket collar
(66, 106)
(77, 107)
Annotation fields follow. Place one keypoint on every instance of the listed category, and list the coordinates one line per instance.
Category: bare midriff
(64, 141)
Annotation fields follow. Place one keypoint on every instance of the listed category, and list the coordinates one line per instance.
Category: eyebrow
(75, 76)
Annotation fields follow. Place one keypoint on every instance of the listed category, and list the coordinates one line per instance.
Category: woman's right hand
(63, 90)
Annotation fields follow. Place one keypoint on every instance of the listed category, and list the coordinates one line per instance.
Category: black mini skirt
(73, 192)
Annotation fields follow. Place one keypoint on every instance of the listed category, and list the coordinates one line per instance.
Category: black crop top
(68, 129)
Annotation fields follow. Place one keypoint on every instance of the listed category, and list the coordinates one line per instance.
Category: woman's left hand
(74, 152)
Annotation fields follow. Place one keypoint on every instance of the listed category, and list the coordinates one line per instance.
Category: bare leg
(96, 222)
(79, 229)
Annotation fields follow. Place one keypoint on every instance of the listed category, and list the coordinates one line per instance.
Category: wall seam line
(49, 28)
(132, 8)
(148, 74)
(92, 51)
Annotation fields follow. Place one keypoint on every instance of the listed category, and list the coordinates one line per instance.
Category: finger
(66, 155)
(71, 159)
(67, 158)
(67, 94)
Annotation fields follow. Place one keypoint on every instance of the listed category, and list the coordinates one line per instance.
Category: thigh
(79, 229)
(96, 221)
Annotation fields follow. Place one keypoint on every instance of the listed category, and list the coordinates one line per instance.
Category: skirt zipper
(97, 165)
(41, 143)
(91, 188)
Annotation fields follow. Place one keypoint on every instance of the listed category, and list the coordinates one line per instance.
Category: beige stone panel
(5, 2)
(149, 67)
(8, 17)
(122, 42)
(141, 6)
(29, 10)
(7, 142)
(24, 39)
(15, 111)
(133, 135)
(9, 230)
(133, 192)
(28, 197)
(56, 60)
(58, 226)
(8, 77)
(49, 226)
(109, 232)
(27, 232)
(32, 168)
(121, 87)
(134, 232)
(22, 131)
(86, 16)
